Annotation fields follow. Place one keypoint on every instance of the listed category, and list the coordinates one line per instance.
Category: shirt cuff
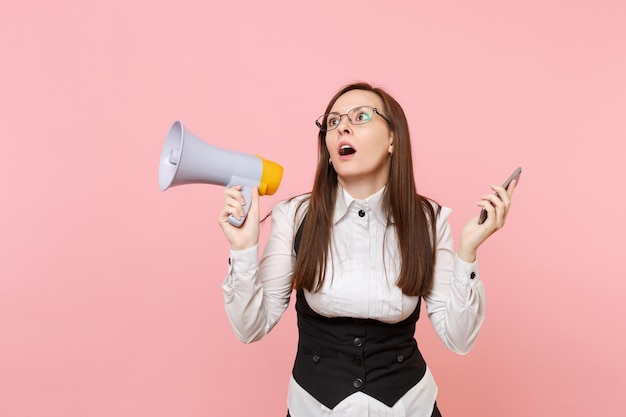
(466, 272)
(244, 260)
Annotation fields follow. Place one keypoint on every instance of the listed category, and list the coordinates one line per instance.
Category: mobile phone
(514, 176)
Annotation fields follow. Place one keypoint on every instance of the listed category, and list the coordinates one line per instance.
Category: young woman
(361, 251)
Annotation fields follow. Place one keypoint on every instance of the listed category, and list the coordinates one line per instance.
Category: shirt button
(358, 342)
(358, 383)
(361, 213)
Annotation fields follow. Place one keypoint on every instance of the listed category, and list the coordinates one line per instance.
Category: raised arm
(257, 293)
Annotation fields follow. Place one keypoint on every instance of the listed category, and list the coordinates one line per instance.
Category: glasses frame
(325, 116)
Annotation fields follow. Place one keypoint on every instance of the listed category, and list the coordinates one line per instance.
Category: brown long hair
(412, 215)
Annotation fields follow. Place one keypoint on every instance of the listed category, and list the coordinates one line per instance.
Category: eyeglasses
(357, 116)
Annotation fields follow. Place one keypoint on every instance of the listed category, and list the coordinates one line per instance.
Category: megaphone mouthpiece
(270, 178)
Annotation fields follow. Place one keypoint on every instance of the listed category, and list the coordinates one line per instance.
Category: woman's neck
(361, 190)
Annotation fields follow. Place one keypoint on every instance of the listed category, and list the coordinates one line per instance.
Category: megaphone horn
(186, 159)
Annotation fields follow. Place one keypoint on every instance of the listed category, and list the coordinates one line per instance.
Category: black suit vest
(339, 356)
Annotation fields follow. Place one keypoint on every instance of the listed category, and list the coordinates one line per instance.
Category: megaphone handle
(247, 195)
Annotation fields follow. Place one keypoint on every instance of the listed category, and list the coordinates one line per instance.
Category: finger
(501, 199)
(496, 210)
(511, 187)
(507, 196)
(234, 193)
(253, 211)
(233, 203)
(228, 211)
(235, 209)
(495, 199)
(485, 204)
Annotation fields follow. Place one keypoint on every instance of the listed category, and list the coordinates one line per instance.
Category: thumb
(254, 204)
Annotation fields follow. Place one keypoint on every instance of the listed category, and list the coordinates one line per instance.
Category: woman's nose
(344, 124)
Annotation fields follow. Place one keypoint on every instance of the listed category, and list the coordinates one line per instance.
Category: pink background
(110, 300)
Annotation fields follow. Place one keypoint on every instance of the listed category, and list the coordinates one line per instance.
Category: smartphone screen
(514, 176)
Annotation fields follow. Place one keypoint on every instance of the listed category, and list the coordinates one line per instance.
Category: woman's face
(360, 154)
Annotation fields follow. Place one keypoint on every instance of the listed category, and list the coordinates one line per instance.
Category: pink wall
(110, 301)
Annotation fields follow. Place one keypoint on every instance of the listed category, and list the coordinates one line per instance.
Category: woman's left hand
(473, 235)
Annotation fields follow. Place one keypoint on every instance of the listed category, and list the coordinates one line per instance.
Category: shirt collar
(347, 204)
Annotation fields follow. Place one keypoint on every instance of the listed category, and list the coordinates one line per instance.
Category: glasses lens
(361, 115)
(328, 121)
(357, 116)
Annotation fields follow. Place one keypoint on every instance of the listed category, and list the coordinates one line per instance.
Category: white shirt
(361, 276)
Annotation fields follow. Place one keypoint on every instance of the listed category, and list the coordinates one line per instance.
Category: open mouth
(346, 150)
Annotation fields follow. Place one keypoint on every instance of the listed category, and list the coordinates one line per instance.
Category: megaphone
(186, 159)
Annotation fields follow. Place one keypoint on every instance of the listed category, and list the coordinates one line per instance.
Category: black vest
(340, 356)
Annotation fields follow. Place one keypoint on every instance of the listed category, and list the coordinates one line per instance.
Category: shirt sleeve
(456, 303)
(256, 294)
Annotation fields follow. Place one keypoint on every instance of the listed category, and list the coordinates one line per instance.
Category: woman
(361, 251)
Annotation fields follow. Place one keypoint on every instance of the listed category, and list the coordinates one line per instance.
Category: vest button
(358, 383)
(316, 358)
(400, 358)
(361, 213)
(358, 342)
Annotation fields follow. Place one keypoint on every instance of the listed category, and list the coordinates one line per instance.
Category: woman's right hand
(247, 235)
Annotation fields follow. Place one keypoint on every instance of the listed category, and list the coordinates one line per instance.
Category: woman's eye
(363, 117)
(332, 121)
